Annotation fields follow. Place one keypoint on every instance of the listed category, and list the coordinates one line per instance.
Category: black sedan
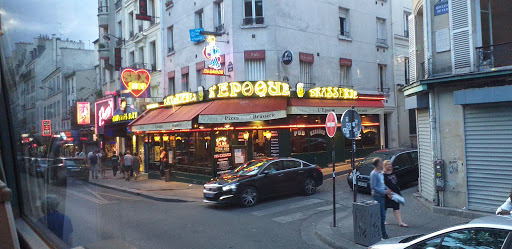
(405, 167)
(257, 179)
(64, 167)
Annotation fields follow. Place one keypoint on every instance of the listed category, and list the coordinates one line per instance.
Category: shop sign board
(212, 53)
(143, 11)
(124, 117)
(213, 71)
(351, 124)
(332, 93)
(441, 8)
(83, 111)
(230, 66)
(163, 126)
(135, 83)
(104, 110)
(46, 127)
(180, 99)
(325, 110)
(243, 117)
(331, 124)
(274, 144)
(249, 89)
(287, 57)
(195, 35)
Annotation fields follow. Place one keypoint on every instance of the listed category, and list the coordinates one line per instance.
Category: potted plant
(101, 45)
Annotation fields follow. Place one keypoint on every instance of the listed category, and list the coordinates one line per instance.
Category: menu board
(240, 155)
(274, 144)
(157, 153)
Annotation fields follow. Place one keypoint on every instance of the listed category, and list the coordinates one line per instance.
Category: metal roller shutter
(426, 181)
(488, 137)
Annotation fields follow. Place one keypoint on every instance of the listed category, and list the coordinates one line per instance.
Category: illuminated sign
(104, 110)
(124, 117)
(211, 71)
(180, 98)
(46, 127)
(249, 89)
(300, 89)
(135, 82)
(152, 106)
(327, 92)
(212, 53)
(221, 144)
(83, 110)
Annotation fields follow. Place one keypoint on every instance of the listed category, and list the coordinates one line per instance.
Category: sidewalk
(418, 217)
(150, 188)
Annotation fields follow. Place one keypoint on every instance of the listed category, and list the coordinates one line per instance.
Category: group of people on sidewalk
(126, 164)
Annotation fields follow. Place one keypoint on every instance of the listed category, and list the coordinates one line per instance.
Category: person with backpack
(115, 163)
(93, 164)
(128, 159)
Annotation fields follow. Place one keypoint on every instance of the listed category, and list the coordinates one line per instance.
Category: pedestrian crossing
(298, 209)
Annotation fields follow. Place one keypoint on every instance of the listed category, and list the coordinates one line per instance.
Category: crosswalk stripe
(119, 196)
(95, 194)
(285, 207)
(302, 215)
(90, 198)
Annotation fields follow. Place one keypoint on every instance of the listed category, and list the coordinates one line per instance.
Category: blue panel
(483, 95)
(195, 35)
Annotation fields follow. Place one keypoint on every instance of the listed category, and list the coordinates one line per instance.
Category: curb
(138, 193)
(339, 173)
(322, 233)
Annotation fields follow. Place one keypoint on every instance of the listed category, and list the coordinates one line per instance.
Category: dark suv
(64, 167)
(405, 167)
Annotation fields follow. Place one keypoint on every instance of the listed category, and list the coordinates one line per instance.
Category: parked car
(38, 167)
(491, 232)
(64, 167)
(258, 179)
(405, 167)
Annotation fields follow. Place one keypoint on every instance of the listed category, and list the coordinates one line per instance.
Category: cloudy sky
(22, 20)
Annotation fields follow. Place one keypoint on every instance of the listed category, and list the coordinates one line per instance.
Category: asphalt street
(104, 218)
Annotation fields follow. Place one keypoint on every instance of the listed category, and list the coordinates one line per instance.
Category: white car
(491, 232)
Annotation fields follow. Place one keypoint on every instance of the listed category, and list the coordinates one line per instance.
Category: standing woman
(392, 183)
(136, 164)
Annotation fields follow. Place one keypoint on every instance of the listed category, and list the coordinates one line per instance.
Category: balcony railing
(139, 65)
(494, 56)
(102, 9)
(253, 21)
(219, 28)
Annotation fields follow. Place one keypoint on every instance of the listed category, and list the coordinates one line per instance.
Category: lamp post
(106, 37)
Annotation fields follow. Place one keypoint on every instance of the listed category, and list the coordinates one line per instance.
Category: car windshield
(74, 162)
(250, 168)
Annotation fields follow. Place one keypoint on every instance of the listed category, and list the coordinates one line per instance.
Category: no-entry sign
(331, 124)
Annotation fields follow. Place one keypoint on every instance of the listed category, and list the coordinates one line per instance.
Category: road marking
(285, 207)
(94, 193)
(118, 196)
(302, 215)
(90, 198)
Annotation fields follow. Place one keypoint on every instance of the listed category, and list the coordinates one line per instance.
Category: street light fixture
(106, 37)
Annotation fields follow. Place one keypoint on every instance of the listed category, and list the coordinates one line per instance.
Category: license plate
(362, 184)
(209, 195)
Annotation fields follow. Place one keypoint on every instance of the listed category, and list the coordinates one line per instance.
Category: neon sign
(46, 126)
(180, 98)
(212, 53)
(124, 117)
(249, 89)
(104, 110)
(333, 93)
(83, 110)
(136, 82)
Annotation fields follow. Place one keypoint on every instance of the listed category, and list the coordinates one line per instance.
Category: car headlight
(229, 187)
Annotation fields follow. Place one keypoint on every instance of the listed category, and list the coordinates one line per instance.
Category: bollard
(167, 175)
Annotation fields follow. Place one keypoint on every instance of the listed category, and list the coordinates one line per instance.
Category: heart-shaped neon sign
(137, 82)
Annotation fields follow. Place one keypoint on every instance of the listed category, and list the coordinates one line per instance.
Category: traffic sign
(195, 35)
(331, 124)
(351, 124)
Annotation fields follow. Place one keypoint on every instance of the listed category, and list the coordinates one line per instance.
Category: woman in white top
(506, 207)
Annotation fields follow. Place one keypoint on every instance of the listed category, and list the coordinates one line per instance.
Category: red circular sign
(331, 124)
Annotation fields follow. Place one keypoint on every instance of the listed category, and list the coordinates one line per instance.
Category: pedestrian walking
(93, 164)
(163, 161)
(379, 191)
(121, 156)
(115, 163)
(101, 164)
(128, 159)
(391, 181)
(136, 164)
(82, 154)
(506, 208)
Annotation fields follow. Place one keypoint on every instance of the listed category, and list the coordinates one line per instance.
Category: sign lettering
(333, 93)
(180, 98)
(125, 117)
(249, 89)
(136, 82)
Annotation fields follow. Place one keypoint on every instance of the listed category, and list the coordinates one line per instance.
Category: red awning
(323, 106)
(186, 112)
(154, 116)
(243, 110)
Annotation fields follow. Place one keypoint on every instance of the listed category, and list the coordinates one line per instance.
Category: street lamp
(106, 37)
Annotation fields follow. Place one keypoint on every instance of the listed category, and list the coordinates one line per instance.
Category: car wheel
(309, 186)
(249, 197)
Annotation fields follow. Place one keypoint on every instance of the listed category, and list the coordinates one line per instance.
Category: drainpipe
(434, 134)
(438, 143)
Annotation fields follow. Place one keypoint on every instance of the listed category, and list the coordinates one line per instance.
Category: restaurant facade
(214, 130)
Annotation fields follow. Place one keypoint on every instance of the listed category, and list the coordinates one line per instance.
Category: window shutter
(462, 38)
(412, 50)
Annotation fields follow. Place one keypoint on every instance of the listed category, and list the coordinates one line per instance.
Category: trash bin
(167, 175)
(367, 227)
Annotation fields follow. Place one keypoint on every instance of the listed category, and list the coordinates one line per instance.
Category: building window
(132, 58)
(199, 19)
(219, 16)
(254, 70)
(382, 77)
(141, 58)
(344, 22)
(253, 12)
(119, 30)
(199, 77)
(305, 72)
(170, 39)
(406, 70)
(412, 121)
(152, 47)
(381, 31)
(406, 24)
(344, 75)
(185, 86)
(172, 86)
(130, 24)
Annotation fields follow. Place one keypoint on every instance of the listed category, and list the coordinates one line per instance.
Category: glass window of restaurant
(370, 133)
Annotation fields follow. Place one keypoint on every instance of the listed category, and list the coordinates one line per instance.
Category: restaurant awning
(152, 120)
(243, 110)
(324, 106)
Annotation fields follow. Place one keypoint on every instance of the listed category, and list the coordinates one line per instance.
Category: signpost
(351, 128)
(330, 127)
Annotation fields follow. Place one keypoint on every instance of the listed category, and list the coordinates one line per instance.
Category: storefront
(218, 129)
